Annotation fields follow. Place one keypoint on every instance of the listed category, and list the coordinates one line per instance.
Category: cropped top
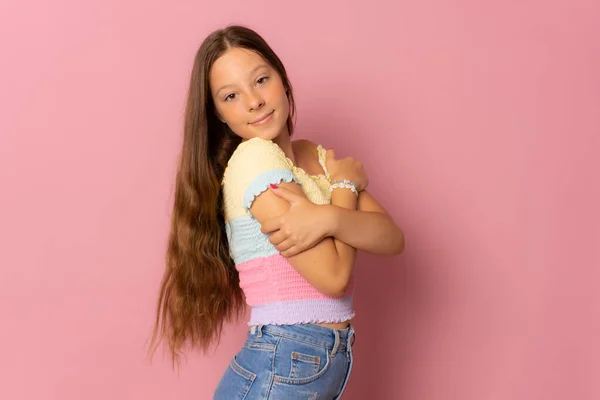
(275, 291)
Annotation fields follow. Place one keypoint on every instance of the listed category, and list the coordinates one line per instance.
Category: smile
(264, 120)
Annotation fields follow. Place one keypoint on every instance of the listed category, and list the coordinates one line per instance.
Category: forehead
(234, 64)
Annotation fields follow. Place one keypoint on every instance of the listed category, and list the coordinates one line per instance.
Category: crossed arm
(370, 228)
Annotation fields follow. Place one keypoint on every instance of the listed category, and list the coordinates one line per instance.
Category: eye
(262, 80)
(229, 97)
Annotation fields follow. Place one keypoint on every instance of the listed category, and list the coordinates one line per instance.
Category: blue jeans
(289, 362)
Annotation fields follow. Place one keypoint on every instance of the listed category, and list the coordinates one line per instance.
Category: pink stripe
(273, 279)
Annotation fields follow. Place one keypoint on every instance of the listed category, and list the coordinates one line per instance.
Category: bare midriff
(336, 325)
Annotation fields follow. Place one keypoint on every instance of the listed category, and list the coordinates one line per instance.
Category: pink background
(478, 123)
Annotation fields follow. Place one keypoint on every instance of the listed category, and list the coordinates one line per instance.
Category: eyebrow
(251, 72)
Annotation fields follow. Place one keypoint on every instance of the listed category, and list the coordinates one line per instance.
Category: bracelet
(344, 184)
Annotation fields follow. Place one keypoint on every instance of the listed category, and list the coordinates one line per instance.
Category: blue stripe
(246, 241)
(262, 182)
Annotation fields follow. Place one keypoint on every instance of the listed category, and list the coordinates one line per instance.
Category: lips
(262, 119)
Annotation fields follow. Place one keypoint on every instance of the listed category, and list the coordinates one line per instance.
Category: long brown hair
(200, 287)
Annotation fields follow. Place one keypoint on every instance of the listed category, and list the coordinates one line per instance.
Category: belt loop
(336, 344)
(350, 341)
(259, 331)
(253, 330)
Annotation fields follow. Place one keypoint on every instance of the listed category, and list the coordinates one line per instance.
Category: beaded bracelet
(344, 184)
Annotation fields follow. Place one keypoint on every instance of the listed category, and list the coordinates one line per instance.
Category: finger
(330, 154)
(286, 194)
(285, 245)
(271, 225)
(292, 251)
(277, 237)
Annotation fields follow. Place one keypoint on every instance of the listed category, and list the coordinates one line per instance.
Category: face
(249, 95)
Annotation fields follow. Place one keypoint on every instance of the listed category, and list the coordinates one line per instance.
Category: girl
(262, 220)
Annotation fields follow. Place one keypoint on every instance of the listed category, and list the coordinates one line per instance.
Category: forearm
(344, 200)
(370, 231)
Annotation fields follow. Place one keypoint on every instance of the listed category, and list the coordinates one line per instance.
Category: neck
(284, 141)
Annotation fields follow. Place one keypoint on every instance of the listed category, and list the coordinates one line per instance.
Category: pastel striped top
(275, 291)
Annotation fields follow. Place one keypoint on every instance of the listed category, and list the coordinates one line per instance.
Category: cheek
(278, 97)
(232, 114)
(285, 103)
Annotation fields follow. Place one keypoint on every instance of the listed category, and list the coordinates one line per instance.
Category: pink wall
(479, 124)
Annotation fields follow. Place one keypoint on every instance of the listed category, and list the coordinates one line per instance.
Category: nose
(255, 101)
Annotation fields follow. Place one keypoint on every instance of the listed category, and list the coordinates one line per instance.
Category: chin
(273, 133)
(270, 135)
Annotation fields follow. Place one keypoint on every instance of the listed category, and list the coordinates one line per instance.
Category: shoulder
(254, 165)
(256, 147)
(304, 145)
(255, 155)
(305, 149)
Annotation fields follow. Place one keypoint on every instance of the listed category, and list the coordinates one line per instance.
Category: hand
(346, 168)
(299, 229)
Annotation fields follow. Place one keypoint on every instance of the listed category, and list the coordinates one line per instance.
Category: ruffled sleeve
(254, 165)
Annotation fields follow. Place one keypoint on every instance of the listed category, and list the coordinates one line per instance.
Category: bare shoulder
(307, 156)
(304, 144)
(304, 149)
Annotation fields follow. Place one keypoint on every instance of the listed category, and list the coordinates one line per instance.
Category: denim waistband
(333, 339)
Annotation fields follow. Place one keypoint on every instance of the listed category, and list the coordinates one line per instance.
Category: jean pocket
(305, 368)
(304, 365)
(241, 371)
(235, 383)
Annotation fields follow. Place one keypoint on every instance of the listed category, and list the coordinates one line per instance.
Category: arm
(344, 200)
(328, 265)
(369, 229)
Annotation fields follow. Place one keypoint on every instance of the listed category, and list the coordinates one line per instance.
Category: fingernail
(273, 186)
